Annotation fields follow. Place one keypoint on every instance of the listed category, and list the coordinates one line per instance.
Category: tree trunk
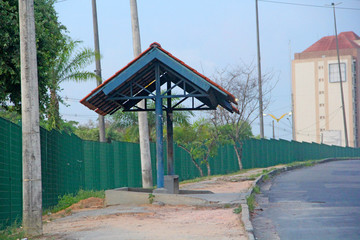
(198, 167)
(238, 151)
(54, 113)
(208, 168)
(193, 160)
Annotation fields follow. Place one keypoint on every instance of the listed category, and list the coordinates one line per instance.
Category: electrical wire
(307, 5)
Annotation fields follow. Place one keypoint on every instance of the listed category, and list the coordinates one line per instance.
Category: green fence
(70, 164)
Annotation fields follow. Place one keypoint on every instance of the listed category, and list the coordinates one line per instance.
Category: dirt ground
(88, 219)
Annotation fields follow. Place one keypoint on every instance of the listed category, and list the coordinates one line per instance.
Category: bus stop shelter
(156, 75)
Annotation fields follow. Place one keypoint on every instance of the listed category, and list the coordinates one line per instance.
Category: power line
(308, 5)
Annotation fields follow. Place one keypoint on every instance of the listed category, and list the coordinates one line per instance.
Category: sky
(208, 35)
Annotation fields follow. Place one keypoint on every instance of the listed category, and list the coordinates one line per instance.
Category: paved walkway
(319, 202)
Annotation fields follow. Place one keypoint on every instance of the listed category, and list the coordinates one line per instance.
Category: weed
(151, 198)
(265, 177)
(227, 205)
(256, 189)
(199, 179)
(251, 202)
(12, 232)
(69, 199)
(68, 211)
(237, 210)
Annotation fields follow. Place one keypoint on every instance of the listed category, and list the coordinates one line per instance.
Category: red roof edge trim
(235, 109)
(100, 112)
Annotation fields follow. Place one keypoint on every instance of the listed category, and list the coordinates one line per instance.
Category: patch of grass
(308, 163)
(256, 189)
(237, 210)
(69, 199)
(264, 171)
(151, 198)
(12, 232)
(265, 177)
(254, 176)
(250, 200)
(199, 179)
(227, 205)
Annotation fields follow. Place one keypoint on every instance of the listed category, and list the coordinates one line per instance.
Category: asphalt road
(319, 202)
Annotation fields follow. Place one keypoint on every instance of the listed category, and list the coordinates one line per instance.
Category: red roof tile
(346, 40)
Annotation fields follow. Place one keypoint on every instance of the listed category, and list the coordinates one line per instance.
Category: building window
(334, 72)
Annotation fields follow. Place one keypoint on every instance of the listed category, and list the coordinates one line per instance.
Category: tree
(199, 141)
(242, 82)
(50, 39)
(127, 122)
(68, 66)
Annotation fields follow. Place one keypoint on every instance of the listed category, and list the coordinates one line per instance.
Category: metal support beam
(170, 133)
(159, 130)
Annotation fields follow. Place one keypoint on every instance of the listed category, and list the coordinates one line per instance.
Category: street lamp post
(277, 119)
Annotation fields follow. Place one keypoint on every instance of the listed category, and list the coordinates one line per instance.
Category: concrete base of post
(171, 184)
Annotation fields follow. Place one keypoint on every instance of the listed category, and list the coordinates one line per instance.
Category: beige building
(318, 115)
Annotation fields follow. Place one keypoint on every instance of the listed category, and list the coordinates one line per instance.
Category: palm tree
(69, 66)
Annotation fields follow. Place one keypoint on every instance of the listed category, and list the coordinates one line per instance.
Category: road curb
(245, 214)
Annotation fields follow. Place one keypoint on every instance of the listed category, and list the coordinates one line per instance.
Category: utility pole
(31, 152)
(259, 73)
(98, 67)
(273, 129)
(142, 116)
(292, 98)
(341, 83)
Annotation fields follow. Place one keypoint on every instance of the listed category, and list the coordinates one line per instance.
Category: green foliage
(13, 232)
(50, 39)
(151, 198)
(308, 163)
(265, 177)
(199, 141)
(126, 123)
(237, 210)
(68, 66)
(69, 199)
(10, 114)
(256, 189)
(250, 200)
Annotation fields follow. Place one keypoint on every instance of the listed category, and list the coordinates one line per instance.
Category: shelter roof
(136, 81)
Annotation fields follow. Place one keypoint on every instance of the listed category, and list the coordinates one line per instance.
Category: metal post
(31, 151)
(273, 128)
(159, 130)
(259, 74)
(146, 169)
(98, 67)
(341, 84)
(170, 133)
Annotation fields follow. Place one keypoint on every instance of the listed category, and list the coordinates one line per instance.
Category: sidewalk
(154, 221)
